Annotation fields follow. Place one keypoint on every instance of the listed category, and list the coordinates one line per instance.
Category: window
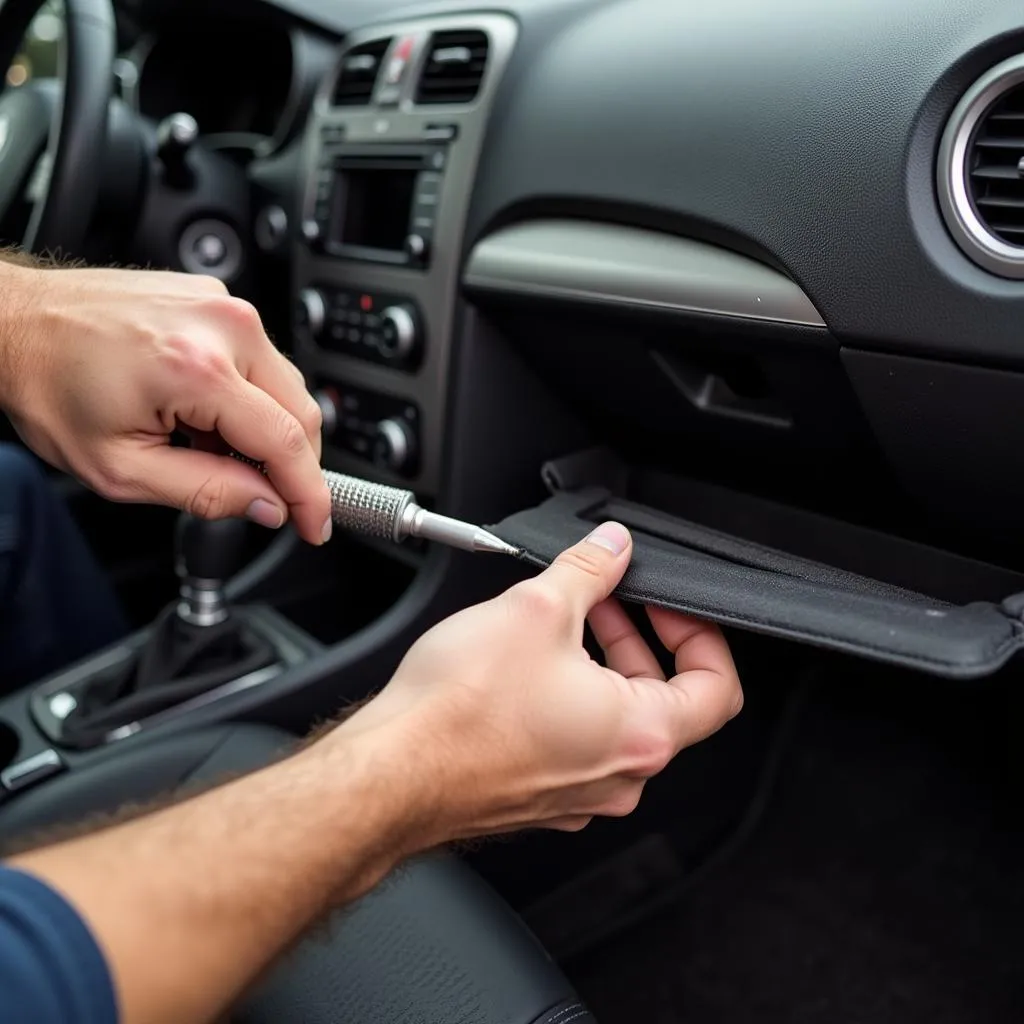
(37, 57)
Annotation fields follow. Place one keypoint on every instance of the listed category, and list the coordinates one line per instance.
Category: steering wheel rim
(60, 219)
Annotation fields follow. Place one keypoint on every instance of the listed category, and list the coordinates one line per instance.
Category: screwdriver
(391, 513)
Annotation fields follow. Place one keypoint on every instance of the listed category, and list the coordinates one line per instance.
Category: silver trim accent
(256, 678)
(633, 266)
(231, 260)
(316, 310)
(395, 435)
(181, 128)
(328, 412)
(271, 227)
(62, 704)
(201, 602)
(405, 333)
(33, 769)
(952, 178)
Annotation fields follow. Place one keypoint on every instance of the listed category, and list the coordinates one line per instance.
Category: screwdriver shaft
(391, 513)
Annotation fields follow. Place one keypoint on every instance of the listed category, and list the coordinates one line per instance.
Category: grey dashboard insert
(576, 259)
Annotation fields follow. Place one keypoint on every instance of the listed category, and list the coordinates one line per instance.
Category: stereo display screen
(372, 207)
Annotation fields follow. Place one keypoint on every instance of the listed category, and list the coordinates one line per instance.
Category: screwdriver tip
(489, 543)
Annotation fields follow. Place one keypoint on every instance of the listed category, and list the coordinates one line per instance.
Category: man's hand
(496, 720)
(505, 722)
(99, 367)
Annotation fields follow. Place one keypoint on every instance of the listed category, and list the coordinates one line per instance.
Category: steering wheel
(59, 132)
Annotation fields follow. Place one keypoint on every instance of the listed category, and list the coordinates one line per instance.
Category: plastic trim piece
(967, 228)
(632, 266)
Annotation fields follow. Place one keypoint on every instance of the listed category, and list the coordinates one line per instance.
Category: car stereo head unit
(377, 203)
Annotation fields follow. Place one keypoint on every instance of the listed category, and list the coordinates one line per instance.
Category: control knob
(417, 247)
(399, 333)
(327, 399)
(312, 311)
(394, 447)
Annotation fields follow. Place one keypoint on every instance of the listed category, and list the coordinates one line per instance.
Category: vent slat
(995, 171)
(1002, 202)
(454, 68)
(358, 76)
(995, 142)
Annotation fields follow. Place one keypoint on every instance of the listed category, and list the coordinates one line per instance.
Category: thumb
(588, 572)
(207, 485)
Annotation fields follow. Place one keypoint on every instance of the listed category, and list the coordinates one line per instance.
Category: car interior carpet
(883, 882)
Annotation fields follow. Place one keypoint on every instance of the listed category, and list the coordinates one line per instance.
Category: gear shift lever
(207, 555)
(198, 643)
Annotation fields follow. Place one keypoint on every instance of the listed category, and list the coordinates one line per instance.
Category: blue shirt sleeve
(51, 969)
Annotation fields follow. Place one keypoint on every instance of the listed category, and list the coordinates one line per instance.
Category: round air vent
(981, 170)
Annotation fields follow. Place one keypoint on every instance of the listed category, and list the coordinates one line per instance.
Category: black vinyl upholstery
(432, 945)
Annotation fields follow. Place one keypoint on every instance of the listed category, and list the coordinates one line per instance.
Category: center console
(390, 155)
(388, 164)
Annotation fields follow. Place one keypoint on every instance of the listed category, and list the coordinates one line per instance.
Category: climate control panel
(382, 429)
(366, 325)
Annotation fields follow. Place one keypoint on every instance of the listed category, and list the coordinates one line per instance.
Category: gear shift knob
(207, 554)
(209, 550)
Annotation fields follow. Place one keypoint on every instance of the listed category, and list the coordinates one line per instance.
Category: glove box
(829, 584)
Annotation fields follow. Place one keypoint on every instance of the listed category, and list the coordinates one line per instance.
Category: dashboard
(777, 246)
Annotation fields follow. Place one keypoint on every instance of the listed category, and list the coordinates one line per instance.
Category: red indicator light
(365, 303)
(404, 49)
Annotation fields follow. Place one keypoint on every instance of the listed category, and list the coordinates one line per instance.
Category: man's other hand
(99, 367)
(501, 720)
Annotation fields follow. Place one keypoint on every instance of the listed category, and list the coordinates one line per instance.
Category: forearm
(17, 276)
(191, 903)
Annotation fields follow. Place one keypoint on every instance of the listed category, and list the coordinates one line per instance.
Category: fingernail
(610, 536)
(266, 514)
(327, 530)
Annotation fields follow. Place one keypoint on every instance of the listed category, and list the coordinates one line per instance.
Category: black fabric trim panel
(692, 569)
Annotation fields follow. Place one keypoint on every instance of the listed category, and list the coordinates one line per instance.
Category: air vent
(981, 170)
(358, 75)
(454, 68)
